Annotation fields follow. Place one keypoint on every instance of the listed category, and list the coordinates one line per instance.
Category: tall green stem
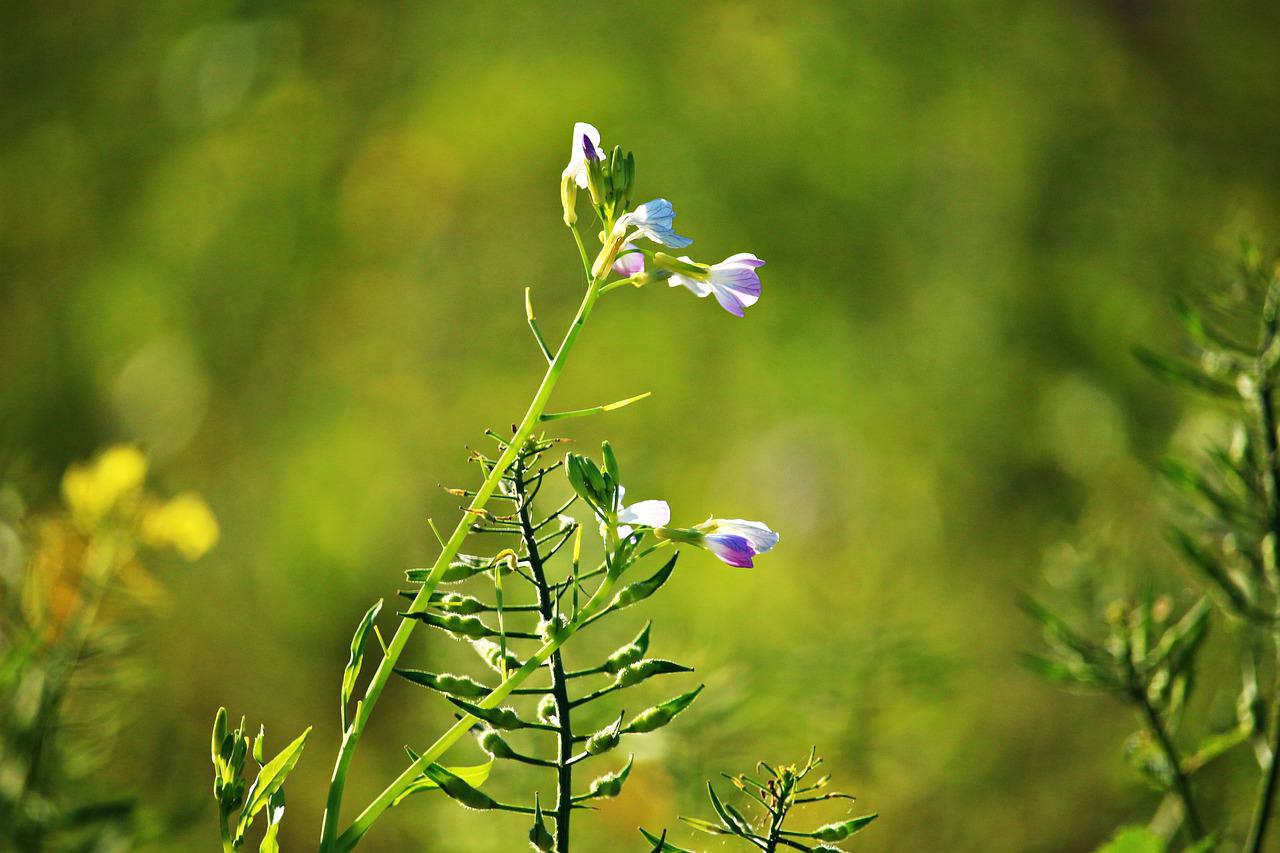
(559, 684)
(351, 737)
(383, 801)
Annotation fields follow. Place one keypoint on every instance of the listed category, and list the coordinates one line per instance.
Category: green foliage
(238, 805)
(551, 596)
(1228, 534)
(773, 796)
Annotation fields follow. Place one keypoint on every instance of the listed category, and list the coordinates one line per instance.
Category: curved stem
(396, 647)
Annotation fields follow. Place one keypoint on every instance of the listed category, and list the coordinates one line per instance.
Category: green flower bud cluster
(228, 751)
(776, 794)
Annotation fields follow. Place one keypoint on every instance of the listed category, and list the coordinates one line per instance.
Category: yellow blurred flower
(92, 491)
(185, 524)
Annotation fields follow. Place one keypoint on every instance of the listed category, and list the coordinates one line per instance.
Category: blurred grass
(283, 246)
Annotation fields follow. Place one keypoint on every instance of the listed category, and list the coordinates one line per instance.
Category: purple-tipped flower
(585, 146)
(629, 262)
(734, 282)
(736, 541)
(649, 513)
(653, 220)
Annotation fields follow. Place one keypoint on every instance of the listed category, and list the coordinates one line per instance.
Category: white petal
(647, 513)
(699, 288)
(755, 532)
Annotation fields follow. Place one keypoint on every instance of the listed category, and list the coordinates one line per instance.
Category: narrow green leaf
(706, 826)
(356, 660)
(270, 778)
(661, 845)
(640, 590)
(474, 775)
(459, 789)
(730, 820)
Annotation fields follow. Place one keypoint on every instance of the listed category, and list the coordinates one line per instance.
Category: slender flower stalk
(398, 642)
(609, 178)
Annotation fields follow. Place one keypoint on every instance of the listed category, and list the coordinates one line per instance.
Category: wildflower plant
(524, 588)
(1147, 650)
(71, 582)
(771, 796)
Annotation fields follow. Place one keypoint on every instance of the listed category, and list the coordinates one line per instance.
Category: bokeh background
(283, 247)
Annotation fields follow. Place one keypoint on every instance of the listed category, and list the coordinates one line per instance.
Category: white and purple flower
(585, 146)
(630, 261)
(652, 220)
(734, 282)
(737, 541)
(650, 513)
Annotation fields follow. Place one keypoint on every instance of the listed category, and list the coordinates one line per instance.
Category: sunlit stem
(533, 326)
(396, 647)
(582, 250)
(598, 602)
(595, 410)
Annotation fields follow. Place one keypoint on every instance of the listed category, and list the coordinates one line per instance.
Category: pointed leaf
(661, 845)
(474, 775)
(640, 590)
(270, 778)
(356, 660)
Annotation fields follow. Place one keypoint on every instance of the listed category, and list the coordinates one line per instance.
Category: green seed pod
(553, 628)
(464, 626)
(547, 710)
(641, 670)
(491, 653)
(659, 715)
(842, 830)
(454, 685)
(492, 743)
(610, 784)
(456, 602)
(605, 739)
(629, 653)
(500, 718)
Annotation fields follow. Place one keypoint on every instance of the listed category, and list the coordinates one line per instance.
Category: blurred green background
(283, 246)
